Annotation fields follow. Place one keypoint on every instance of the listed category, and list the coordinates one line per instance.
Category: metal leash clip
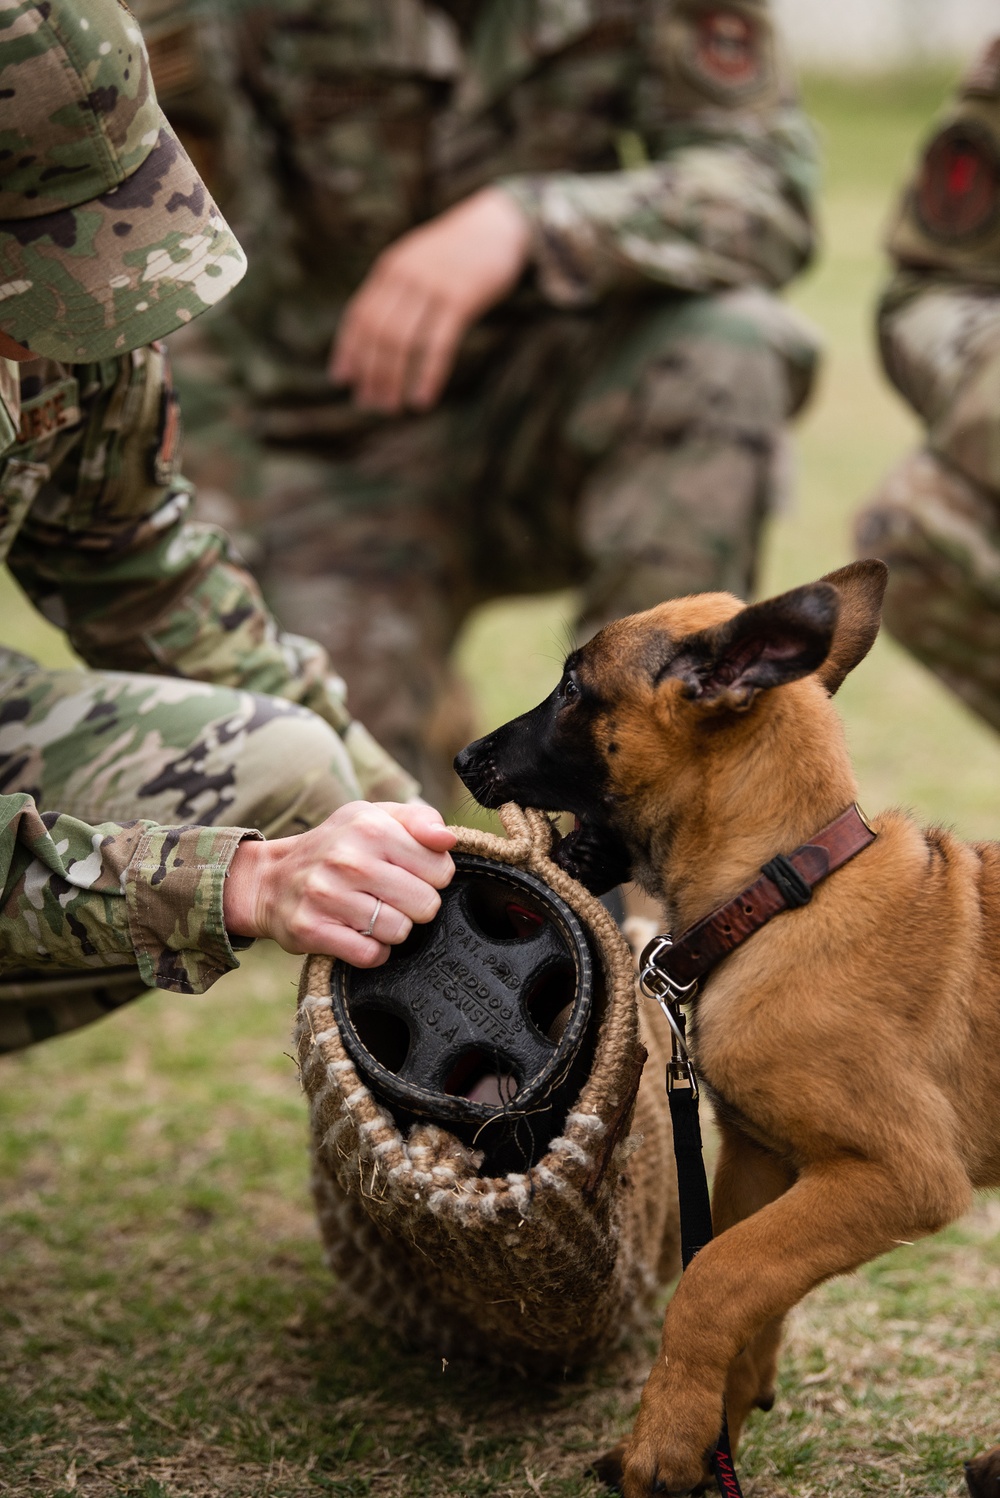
(670, 995)
(655, 982)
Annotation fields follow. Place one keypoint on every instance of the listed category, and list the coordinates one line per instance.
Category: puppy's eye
(570, 690)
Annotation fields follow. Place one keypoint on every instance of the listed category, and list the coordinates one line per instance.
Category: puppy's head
(656, 702)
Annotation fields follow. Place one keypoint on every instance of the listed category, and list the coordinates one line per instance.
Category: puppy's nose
(470, 767)
(470, 759)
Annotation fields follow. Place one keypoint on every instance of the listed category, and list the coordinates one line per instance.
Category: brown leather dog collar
(673, 968)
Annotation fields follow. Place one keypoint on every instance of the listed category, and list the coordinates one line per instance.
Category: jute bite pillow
(547, 1268)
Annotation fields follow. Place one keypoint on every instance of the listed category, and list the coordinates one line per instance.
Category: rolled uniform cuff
(174, 887)
(571, 263)
(702, 221)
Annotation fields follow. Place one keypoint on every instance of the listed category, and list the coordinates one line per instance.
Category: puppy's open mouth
(593, 852)
(595, 855)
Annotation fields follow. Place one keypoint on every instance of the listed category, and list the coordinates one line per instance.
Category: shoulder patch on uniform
(957, 194)
(983, 78)
(725, 50)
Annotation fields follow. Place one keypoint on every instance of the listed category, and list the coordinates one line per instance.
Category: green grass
(167, 1327)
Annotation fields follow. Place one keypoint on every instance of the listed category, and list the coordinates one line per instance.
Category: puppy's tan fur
(852, 1046)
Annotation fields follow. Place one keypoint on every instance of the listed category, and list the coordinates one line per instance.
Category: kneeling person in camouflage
(936, 518)
(130, 791)
(543, 243)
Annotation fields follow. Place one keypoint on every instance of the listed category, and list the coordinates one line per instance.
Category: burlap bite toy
(546, 1268)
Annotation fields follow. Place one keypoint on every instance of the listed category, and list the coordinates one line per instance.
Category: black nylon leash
(693, 1197)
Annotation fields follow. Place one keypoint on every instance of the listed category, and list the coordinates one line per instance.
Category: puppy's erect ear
(763, 646)
(861, 586)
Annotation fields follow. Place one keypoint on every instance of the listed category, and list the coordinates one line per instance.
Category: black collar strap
(674, 967)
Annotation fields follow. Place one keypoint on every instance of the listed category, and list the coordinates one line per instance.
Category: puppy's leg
(747, 1177)
(836, 1216)
(982, 1476)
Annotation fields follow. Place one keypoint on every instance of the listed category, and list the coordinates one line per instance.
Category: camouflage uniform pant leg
(357, 552)
(686, 421)
(112, 746)
(221, 450)
(936, 517)
(939, 533)
(347, 542)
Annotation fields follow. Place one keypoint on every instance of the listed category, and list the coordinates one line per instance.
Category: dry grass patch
(168, 1329)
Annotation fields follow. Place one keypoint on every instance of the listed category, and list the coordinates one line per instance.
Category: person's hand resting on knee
(350, 888)
(401, 331)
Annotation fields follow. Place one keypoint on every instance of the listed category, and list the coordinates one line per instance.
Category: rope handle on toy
(528, 840)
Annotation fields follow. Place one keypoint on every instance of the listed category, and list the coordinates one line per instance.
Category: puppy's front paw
(675, 1431)
(662, 1469)
(982, 1475)
(608, 1467)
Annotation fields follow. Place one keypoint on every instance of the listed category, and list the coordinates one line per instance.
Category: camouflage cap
(108, 236)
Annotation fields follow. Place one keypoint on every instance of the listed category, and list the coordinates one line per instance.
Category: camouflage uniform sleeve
(78, 896)
(109, 553)
(939, 316)
(724, 197)
(10, 403)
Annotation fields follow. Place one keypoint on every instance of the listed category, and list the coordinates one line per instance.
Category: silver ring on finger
(370, 928)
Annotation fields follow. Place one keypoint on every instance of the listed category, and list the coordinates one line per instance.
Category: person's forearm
(76, 896)
(939, 337)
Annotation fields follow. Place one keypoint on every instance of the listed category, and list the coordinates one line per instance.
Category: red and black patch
(727, 50)
(957, 195)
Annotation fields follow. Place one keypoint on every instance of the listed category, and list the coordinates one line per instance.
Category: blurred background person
(936, 517)
(510, 322)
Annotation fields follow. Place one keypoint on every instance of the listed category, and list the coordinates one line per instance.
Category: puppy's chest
(729, 1082)
(731, 1115)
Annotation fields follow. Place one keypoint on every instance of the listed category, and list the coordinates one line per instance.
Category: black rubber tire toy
(492, 1000)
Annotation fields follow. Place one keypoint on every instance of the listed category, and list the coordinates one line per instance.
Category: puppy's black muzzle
(513, 763)
(530, 762)
(474, 767)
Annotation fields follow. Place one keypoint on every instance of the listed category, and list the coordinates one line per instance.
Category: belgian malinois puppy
(851, 1047)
